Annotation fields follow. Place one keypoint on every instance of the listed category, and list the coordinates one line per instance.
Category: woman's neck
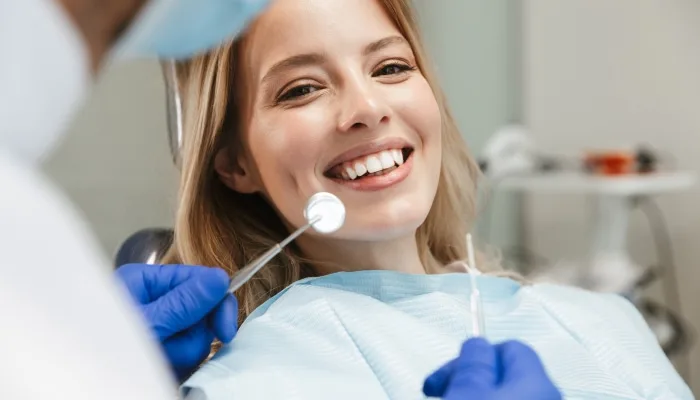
(329, 256)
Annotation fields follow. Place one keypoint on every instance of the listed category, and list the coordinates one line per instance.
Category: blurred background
(570, 76)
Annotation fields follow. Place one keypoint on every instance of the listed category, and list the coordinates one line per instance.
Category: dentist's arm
(186, 307)
(100, 23)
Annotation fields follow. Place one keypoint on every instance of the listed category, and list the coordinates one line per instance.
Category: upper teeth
(371, 163)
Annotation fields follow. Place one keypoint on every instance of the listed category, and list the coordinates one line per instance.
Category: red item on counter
(611, 163)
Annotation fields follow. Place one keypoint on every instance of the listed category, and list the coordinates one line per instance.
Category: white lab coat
(67, 330)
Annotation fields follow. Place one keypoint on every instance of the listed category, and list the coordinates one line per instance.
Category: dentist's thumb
(475, 370)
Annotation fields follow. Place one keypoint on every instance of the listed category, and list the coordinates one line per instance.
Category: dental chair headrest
(147, 246)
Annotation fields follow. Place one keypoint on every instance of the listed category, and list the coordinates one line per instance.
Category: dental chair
(148, 246)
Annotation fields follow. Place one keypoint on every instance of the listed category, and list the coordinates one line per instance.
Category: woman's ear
(235, 172)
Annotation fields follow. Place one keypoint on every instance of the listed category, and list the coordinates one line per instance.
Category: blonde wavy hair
(216, 226)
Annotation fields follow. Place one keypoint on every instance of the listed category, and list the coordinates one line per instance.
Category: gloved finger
(224, 320)
(131, 275)
(189, 348)
(146, 283)
(475, 369)
(187, 303)
(523, 371)
(517, 360)
(162, 279)
(436, 384)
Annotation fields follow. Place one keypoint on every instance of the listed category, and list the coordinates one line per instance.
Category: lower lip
(380, 182)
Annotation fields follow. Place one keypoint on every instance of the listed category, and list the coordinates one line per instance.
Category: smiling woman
(336, 96)
(317, 105)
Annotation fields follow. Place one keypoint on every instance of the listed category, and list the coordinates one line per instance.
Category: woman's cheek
(415, 104)
(287, 146)
(303, 140)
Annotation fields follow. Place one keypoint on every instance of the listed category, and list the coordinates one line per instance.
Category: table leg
(611, 267)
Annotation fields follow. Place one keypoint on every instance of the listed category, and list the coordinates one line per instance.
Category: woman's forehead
(293, 27)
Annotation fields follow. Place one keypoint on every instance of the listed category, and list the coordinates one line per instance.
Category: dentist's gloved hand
(186, 307)
(510, 370)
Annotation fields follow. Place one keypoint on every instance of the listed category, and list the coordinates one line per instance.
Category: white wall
(115, 162)
(601, 73)
(474, 46)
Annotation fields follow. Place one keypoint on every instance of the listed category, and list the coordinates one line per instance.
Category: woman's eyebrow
(383, 43)
(299, 60)
(302, 60)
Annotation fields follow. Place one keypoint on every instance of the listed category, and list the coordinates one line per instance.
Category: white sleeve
(67, 329)
(44, 75)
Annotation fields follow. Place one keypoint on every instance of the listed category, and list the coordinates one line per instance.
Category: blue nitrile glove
(186, 307)
(510, 370)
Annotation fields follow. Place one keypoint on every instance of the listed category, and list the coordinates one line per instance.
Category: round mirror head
(329, 209)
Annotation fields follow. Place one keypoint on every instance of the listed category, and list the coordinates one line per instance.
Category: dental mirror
(324, 212)
(328, 210)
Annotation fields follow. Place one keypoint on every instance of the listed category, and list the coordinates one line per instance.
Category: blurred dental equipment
(616, 180)
(512, 152)
(324, 212)
(509, 151)
(478, 322)
(619, 181)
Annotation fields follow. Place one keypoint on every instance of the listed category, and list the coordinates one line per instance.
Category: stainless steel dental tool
(477, 309)
(324, 212)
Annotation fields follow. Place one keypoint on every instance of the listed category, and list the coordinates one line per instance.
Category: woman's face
(338, 105)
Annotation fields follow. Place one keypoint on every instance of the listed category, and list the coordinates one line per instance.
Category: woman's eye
(392, 69)
(297, 92)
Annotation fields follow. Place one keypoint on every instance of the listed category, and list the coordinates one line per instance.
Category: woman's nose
(363, 108)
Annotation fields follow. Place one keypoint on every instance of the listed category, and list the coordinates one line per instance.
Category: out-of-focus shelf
(636, 185)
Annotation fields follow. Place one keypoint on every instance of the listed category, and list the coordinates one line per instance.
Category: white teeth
(373, 164)
(386, 159)
(350, 172)
(398, 156)
(360, 168)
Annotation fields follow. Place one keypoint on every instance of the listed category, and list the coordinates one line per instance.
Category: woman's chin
(381, 228)
(385, 220)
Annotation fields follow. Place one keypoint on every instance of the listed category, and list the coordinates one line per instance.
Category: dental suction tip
(325, 212)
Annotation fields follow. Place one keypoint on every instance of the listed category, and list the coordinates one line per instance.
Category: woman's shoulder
(562, 296)
(307, 340)
(601, 316)
(301, 295)
(615, 333)
(382, 287)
